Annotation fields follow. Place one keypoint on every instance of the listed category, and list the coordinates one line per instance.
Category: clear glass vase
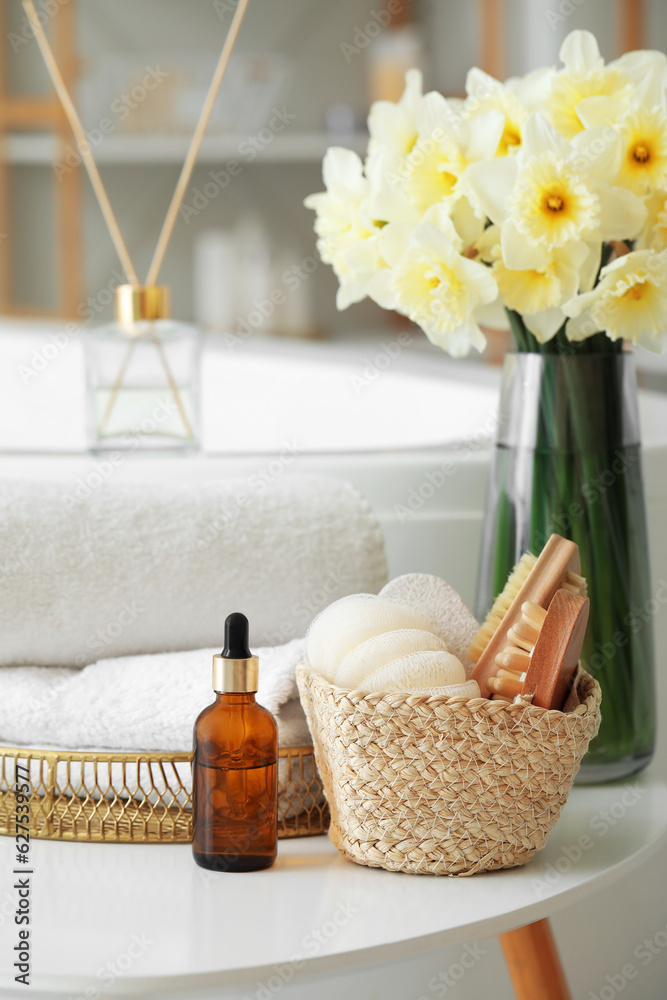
(568, 460)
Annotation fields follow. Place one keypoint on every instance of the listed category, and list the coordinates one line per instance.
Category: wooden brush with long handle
(534, 580)
(542, 652)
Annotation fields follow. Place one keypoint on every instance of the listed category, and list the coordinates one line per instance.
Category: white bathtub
(411, 429)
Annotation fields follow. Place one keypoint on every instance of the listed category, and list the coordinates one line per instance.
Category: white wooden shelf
(292, 147)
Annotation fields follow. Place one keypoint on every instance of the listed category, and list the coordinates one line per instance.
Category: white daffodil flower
(654, 234)
(584, 75)
(439, 289)
(630, 302)
(448, 141)
(393, 126)
(538, 293)
(532, 89)
(641, 65)
(539, 290)
(487, 94)
(555, 192)
(644, 132)
(642, 127)
(347, 234)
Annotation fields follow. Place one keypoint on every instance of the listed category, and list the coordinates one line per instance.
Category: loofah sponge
(452, 620)
(469, 689)
(380, 649)
(416, 671)
(351, 620)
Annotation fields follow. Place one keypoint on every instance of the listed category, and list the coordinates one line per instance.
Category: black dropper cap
(236, 637)
(235, 670)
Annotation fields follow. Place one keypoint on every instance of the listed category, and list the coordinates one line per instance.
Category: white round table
(144, 920)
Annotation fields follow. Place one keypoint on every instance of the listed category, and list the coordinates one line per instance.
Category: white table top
(191, 929)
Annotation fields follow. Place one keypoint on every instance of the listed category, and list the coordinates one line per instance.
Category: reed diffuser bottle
(143, 375)
(235, 765)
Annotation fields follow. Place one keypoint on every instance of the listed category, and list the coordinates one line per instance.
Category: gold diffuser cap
(142, 302)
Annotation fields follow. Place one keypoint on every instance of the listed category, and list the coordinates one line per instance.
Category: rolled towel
(147, 702)
(145, 568)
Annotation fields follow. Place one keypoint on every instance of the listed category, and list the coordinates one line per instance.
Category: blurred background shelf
(295, 147)
(321, 65)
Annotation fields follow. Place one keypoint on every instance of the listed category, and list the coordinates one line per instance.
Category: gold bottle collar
(237, 676)
(142, 302)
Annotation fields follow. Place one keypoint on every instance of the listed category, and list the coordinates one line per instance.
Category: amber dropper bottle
(235, 769)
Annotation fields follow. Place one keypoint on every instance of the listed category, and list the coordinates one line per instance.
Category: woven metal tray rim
(117, 812)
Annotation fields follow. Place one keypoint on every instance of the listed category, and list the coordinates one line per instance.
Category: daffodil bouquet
(513, 200)
(538, 203)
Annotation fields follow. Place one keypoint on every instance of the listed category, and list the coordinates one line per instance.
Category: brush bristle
(501, 605)
(575, 584)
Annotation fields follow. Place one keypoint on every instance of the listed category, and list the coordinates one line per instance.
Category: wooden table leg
(534, 964)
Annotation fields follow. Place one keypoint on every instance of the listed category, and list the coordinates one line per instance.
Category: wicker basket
(138, 797)
(438, 785)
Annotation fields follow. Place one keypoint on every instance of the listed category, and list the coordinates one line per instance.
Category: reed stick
(81, 141)
(195, 143)
(174, 388)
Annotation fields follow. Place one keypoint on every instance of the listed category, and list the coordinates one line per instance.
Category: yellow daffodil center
(551, 204)
(641, 154)
(554, 202)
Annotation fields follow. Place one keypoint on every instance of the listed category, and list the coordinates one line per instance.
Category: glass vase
(568, 460)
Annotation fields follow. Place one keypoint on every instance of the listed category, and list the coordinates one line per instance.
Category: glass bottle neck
(235, 697)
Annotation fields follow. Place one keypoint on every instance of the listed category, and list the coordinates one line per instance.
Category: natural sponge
(380, 649)
(426, 669)
(469, 689)
(451, 618)
(351, 620)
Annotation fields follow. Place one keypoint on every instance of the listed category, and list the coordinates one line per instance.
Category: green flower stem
(594, 428)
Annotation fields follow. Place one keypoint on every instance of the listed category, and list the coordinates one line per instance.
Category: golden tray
(119, 797)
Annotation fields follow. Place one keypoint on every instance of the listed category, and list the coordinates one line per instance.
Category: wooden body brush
(534, 582)
(543, 651)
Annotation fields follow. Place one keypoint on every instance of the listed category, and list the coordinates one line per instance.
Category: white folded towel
(145, 568)
(147, 702)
